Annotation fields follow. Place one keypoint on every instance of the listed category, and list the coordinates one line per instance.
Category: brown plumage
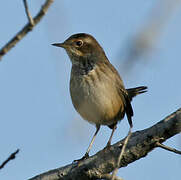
(97, 91)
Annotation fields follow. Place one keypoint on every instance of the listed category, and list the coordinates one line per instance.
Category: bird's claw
(86, 156)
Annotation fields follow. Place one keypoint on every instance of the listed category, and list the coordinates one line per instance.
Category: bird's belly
(97, 102)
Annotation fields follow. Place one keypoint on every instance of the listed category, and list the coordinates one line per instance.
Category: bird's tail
(132, 92)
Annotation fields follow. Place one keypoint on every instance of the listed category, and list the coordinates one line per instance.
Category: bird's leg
(90, 145)
(92, 141)
(110, 139)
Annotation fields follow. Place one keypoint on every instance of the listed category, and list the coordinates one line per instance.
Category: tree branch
(26, 29)
(168, 148)
(105, 161)
(11, 157)
(30, 19)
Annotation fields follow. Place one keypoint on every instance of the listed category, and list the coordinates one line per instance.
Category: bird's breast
(95, 96)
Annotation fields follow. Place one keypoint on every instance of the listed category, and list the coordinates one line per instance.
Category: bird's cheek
(76, 52)
(79, 53)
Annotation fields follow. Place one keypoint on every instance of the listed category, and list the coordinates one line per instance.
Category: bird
(96, 88)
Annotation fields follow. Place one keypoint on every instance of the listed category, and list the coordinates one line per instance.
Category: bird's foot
(86, 156)
(108, 144)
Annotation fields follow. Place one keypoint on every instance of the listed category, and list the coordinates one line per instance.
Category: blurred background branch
(147, 38)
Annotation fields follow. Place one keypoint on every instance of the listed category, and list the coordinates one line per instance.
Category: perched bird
(97, 91)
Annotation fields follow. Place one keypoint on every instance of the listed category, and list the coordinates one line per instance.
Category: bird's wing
(124, 95)
(122, 92)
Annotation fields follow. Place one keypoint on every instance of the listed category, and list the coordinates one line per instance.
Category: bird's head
(82, 46)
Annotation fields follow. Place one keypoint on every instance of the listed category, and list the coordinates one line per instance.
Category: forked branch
(26, 29)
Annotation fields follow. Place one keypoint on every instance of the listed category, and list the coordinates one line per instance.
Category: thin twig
(121, 154)
(11, 157)
(27, 28)
(167, 148)
(31, 21)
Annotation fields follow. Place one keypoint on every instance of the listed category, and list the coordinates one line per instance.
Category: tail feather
(129, 112)
(132, 92)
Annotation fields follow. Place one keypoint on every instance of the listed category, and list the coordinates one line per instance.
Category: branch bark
(105, 161)
(26, 29)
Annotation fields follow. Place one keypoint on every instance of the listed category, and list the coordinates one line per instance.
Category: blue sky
(37, 115)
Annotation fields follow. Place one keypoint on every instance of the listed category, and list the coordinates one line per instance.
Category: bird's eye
(79, 43)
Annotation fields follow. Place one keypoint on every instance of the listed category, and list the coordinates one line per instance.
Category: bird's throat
(85, 66)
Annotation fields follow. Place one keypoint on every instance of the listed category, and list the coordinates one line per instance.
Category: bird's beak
(62, 45)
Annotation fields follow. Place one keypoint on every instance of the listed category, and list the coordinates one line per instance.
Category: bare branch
(105, 161)
(168, 148)
(27, 28)
(30, 19)
(11, 157)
